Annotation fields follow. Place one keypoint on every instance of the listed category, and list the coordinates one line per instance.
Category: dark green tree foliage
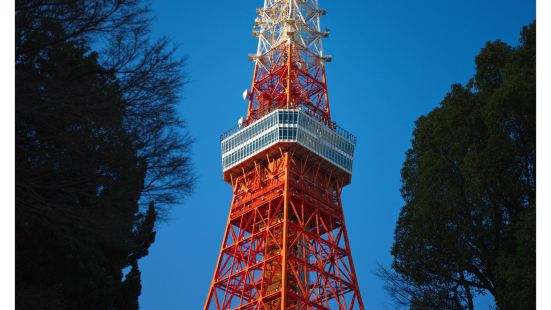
(99, 150)
(469, 183)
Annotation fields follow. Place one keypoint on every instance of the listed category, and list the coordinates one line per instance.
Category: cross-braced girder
(280, 20)
(285, 245)
(289, 63)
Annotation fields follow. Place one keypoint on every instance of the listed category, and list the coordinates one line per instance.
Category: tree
(100, 151)
(147, 74)
(468, 181)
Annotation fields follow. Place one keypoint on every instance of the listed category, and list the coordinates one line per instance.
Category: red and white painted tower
(285, 244)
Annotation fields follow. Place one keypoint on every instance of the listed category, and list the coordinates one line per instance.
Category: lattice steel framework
(285, 244)
(289, 63)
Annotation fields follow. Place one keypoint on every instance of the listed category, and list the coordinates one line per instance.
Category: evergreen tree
(468, 181)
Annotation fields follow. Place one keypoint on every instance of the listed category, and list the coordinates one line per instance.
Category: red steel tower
(285, 245)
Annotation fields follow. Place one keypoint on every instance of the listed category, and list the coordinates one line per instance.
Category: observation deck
(283, 128)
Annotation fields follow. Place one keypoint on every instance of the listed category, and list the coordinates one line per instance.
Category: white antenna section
(294, 20)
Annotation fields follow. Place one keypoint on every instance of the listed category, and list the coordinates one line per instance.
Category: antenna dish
(240, 121)
(245, 94)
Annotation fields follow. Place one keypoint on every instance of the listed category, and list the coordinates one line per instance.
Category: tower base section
(285, 245)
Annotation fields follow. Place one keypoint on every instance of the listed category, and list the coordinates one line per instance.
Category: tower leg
(285, 245)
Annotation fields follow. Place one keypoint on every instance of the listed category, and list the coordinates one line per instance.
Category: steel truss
(289, 63)
(285, 245)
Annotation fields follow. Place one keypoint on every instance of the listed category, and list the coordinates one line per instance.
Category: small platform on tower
(289, 129)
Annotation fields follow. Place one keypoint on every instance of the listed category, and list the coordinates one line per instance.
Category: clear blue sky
(392, 62)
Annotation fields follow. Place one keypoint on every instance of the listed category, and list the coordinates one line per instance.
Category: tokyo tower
(285, 244)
